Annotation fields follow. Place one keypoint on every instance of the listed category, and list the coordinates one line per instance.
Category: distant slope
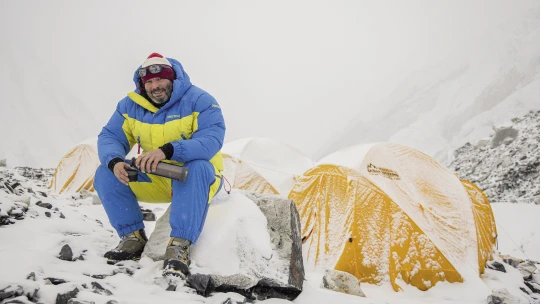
(462, 98)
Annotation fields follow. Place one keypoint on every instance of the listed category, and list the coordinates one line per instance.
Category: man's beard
(165, 97)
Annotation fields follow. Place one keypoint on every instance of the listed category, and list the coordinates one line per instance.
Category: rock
(125, 270)
(45, 205)
(527, 269)
(111, 302)
(11, 291)
(47, 214)
(533, 286)
(62, 216)
(97, 288)
(55, 281)
(17, 300)
(149, 216)
(496, 266)
(278, 273)
(502, 296)
(514, 262)
(342, 282)
(98, 276)
(66, 253)
(17, 293)
(63, 298)
(3, 162)
(76, 301)
(503, 135)
(31, 276)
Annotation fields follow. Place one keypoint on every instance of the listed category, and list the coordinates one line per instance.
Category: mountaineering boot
(130, 247)
(177, 260)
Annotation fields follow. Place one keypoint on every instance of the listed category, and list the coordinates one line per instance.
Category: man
(172, 121)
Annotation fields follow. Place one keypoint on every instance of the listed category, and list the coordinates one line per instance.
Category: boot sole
(113, 262)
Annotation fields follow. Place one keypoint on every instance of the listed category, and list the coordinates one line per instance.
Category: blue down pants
(189, 200)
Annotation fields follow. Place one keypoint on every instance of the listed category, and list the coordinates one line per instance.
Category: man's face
(158, 89)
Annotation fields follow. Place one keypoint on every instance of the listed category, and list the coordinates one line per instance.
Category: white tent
(263, 165)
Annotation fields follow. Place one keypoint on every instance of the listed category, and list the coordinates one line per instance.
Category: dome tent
(76, 170)
(386, 212)
(263, 165)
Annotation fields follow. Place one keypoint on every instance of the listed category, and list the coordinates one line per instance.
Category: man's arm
(115, 139)
(208, 137)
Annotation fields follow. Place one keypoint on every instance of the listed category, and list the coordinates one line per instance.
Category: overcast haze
(299, 72)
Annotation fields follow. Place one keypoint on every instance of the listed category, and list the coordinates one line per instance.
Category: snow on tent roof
(263, 165)
(75, 171)
(387, 212)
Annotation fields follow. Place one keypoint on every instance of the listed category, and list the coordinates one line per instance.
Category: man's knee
(102, 177)
(200, 166)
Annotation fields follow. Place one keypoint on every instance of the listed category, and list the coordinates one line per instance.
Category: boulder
(502, 296)
(259, 240)
(342, 282)
(504, 135)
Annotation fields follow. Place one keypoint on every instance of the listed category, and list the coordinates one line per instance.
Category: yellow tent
(76, 170)
(386, 212)
(263, 165)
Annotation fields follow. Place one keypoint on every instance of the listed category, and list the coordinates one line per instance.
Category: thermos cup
(163, 169)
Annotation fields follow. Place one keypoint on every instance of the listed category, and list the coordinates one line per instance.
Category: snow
(33, 245)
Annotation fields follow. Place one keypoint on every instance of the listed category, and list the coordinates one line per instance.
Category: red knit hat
(155, 58)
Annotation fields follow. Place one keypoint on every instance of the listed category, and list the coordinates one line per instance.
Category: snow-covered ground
(33, 244)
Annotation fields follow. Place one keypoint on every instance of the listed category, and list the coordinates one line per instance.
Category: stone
(17, 300)
(149, 216)
(77, 301)
(496, 266)
(342, 282)
(97, 288)
(63, 298)
(55, 281)
(527, 269)
(534, 287)
(3, 162)
(47, 214)
(45, 205)
(11, 291)
(112, 302)
(31, 276)
(512, 261)
(66, 253)
(502, 296)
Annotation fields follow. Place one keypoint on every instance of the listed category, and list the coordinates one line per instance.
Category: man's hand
(148, 161)
(120, 172)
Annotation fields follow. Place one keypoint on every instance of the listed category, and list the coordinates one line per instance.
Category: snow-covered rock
(508, 168)
(502, 296)
(342, 282)
(261, 263)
